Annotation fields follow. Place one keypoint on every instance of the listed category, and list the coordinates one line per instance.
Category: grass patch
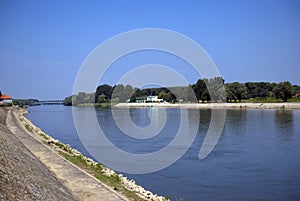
(77, 160)
(6, 105)
(96, 170)
(29, 128)
(269, 100)
(295, 99)
(60, 145)
(262, 100)
(64, 147)
(44, 136)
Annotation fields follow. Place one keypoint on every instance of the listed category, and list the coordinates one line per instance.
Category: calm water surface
(257, 157)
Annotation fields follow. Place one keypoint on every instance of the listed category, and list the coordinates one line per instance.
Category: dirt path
(81, 185)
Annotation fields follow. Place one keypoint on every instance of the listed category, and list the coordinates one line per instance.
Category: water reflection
(284, 122)
(236, 121)
(140, 117)
(205, 116)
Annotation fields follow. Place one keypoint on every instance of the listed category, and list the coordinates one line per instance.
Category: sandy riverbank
(295, 105)
(80, 184)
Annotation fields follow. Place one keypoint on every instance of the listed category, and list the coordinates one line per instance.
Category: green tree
(75, 100)
(166, 96)
(201, 90)
(137, 93)
(129, 91)
(283, 90)
(80, 98)
(216, 89)
(104, 89)
(229, 93)
(68, 101)
(102, 98)
(119, 93)
(236, 91)
(122, 93)
(259, 89)
(190, 96)
(296, 89)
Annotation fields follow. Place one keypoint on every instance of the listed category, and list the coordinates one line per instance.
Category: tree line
(204, 90)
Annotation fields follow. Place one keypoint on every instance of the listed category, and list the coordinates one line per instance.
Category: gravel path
(41, 174)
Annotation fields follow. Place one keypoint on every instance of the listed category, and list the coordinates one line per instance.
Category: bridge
(49, 102)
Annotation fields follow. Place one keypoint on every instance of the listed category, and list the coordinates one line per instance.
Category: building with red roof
(5, 99)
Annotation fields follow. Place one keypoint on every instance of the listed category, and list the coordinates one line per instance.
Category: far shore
(286, 105)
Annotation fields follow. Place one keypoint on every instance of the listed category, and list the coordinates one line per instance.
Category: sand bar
(295, 105)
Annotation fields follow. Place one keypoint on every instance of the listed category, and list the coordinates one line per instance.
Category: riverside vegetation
(204, 90)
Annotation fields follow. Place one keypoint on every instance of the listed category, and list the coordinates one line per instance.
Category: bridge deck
(50, 102)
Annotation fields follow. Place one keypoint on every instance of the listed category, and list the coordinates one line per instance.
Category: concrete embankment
(214, 105)
(30, 170)
(22, 175)
(54, 177)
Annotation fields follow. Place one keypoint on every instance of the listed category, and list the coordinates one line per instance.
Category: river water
(256, 157)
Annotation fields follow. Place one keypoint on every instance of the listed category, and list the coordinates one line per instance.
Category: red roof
(4, 96)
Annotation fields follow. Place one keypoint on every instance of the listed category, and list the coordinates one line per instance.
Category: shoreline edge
(287, 105)
(57, 146)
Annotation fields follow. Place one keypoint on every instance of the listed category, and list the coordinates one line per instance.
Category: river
(256, 157)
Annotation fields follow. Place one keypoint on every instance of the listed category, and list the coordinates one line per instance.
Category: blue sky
(44, 43)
